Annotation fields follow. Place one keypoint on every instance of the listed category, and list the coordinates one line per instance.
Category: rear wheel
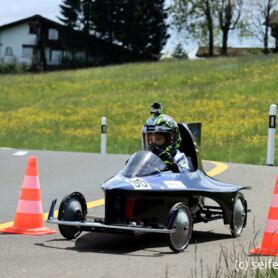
(238, 216)
(72, 208)
(179, 240)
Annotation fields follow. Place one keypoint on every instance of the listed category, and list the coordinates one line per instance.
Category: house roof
(29, 19)
(232, 51)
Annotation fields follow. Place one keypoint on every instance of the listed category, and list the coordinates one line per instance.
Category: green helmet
(161, 131)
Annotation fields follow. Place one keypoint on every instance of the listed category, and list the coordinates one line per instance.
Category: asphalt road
(106, 255)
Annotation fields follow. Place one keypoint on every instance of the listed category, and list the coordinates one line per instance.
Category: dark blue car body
(147, 197)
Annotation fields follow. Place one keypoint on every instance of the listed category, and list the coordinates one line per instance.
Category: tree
(104, 16)
(179, 52)
(42, 31)
(261, 20)
(229, 12)
(138, 25)
(197, 17)
(142, 26)
(86, 20)
(86, 15)
(70, 10)
(77, 14)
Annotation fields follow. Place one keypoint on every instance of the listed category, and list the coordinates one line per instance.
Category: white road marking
(20, 153)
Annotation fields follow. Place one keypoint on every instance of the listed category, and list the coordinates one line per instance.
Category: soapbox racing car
(145, 197)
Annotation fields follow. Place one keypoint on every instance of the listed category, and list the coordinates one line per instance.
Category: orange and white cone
(29, 215)
(269, 246)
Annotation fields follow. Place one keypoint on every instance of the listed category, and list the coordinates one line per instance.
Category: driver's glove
(157, 151)
(169, 161)
(166, 157)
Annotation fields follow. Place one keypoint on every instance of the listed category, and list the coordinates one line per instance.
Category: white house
(42, 42)
(24, 40)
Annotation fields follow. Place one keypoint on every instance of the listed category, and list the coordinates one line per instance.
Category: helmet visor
(161, 140)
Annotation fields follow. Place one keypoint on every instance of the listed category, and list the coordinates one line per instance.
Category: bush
(13, 68)
(179, 52)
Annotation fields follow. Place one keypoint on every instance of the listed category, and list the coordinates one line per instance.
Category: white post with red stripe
(103, 135)
(271, 135)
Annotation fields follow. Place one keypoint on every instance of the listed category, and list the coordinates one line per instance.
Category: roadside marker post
(271, 135)
(103, 135)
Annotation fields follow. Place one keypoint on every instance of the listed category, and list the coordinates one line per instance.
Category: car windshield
(143, 163)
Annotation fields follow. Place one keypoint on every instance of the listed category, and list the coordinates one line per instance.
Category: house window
(67, 54)
(9, 51)
(53, 34)
(27, 52)
(32, 29)
(56, 56)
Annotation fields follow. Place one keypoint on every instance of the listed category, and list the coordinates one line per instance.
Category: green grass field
(62, 110)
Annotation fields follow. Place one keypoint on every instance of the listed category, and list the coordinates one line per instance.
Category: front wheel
(238, 215)
(179, 240)
(72, 208)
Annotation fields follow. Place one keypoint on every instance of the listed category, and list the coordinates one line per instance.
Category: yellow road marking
(6, 225)
(218, 169)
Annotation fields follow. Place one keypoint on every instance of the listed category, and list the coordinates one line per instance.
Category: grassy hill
(62, 110)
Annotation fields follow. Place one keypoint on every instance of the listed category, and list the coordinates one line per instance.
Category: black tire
(72, 208)
(238, 219)
(179, 240)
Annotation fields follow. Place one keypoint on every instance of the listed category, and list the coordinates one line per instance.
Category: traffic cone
(29, 215)
(269, 246)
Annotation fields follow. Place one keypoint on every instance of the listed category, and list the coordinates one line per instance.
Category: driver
(160, 135)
